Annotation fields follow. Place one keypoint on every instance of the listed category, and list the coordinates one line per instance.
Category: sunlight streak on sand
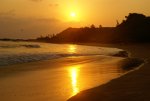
(74, 71)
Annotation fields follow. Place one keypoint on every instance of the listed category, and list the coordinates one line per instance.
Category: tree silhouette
(135, 28)
(93, 26)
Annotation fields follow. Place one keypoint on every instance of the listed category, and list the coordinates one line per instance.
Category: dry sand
(134, 86)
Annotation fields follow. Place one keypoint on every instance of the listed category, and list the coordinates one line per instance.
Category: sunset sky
(32, 18)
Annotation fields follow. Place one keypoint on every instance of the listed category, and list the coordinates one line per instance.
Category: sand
(30, 81)
(133, 86)
(53, 80)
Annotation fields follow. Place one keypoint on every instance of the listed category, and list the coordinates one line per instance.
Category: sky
(33, 18)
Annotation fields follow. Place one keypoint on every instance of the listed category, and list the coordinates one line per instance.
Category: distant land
(135, 28)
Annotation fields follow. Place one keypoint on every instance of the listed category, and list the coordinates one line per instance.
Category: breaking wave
(23, 52)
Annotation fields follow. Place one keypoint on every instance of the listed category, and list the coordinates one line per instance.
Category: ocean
(24, 52)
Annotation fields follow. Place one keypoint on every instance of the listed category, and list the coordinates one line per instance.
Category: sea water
(23, 52)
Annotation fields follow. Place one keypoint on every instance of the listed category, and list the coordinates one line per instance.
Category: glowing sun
(73, 14)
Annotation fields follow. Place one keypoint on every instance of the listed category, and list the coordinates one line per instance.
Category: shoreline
(133, 86)
(32, 81)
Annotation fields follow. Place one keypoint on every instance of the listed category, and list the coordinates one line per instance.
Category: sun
(73, 14)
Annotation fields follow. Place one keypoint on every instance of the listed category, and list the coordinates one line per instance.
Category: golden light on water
(74, 72)
(72, 49)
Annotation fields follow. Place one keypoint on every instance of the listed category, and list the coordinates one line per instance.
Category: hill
(135, 28)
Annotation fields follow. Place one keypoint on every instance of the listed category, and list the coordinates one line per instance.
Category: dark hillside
(135, 28)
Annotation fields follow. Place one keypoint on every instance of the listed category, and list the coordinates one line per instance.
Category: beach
(74, 50)
(133, 86)
(56, 79)
(34, 81)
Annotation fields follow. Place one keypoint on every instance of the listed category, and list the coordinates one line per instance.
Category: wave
(23, 52)
(9, 59)
(19, 46)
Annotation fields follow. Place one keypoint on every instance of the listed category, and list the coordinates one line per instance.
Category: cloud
(51, 4)
(13, 27)
(9, 13)
(36, 0)
(48, 20)
(54, 5)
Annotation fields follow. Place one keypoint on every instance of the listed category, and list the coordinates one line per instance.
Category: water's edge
(129, 63)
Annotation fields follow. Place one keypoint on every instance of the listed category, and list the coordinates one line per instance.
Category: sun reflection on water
(72, 49)
(74, 71)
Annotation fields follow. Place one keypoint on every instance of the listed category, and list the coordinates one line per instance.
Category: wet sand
(134, 86)
(36, 81)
